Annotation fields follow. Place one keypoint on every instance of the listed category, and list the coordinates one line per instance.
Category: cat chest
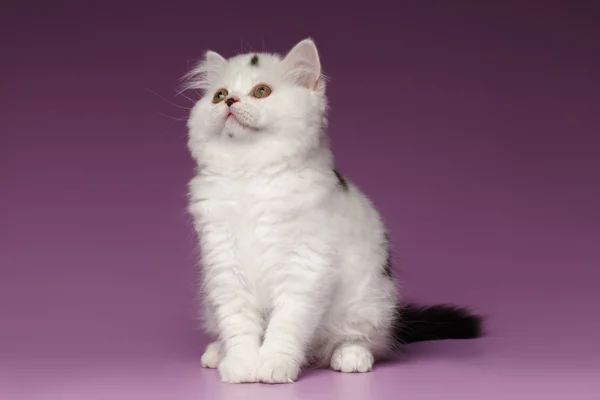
(242, 205)
(255, 227)
(256, 240)
(257, 222)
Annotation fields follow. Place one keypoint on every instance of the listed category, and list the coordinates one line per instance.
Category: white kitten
(295, 258)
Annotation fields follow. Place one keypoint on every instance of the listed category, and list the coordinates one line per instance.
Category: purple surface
(474, 127)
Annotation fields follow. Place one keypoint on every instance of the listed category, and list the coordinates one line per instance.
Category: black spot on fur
(415, 323)
(254, 60)
(341, 180)
(387, 268)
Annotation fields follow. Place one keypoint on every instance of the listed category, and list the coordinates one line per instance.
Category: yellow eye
(220, 95)
(261, 91)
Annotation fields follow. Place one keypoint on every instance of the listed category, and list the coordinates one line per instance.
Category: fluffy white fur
(292, 262)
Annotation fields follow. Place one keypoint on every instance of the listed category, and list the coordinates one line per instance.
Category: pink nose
(230, 100)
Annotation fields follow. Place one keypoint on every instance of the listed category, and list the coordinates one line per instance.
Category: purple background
(474, 128)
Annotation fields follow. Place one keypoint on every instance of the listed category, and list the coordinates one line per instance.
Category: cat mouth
(233, 122)
(231, 118)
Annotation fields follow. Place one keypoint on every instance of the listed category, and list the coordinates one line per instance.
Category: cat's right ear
(205, 72)
(214, 63)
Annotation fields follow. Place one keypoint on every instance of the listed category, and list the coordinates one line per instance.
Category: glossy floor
(492, 368)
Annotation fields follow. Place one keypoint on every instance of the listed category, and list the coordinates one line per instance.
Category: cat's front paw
(277, 368)
(239, 366)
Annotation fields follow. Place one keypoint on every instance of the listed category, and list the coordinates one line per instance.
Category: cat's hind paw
(212, 355)
(351, 357)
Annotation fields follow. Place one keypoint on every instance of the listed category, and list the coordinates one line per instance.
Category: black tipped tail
(416, 323)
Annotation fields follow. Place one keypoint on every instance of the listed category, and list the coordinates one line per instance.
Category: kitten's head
(257, 106)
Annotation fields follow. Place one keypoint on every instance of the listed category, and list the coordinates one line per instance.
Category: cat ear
(214, 62)
(302, 64)
(205, 72)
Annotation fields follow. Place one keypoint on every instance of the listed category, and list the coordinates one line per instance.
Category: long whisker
(173, 118)
(187, 97)
(170, 102)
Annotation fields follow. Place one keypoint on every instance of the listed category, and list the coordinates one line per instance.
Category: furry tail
(416, 323)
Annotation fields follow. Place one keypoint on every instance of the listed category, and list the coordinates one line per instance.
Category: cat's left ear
(302, 64)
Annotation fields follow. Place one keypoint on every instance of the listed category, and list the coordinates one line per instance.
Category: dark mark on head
(341, 180)
(254, 60)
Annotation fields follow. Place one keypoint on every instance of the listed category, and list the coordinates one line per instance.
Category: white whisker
(170, 102)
